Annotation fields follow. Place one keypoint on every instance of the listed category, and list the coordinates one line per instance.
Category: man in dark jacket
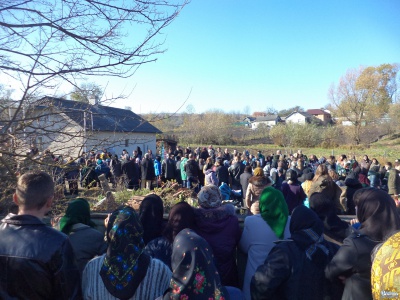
(169, 168)
(148, 173)
(235, 171)
(36, 261)
(192, 170)
(222, 172)
(131, 173)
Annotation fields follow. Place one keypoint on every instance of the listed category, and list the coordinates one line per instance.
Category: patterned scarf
(125, 265)
(194, 273)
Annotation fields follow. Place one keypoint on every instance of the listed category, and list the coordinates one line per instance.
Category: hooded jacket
(220, 228)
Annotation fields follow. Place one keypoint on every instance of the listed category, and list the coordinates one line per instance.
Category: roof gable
(105, 118)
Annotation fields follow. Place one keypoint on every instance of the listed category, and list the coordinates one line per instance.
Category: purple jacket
(220, 228)
(294, 195)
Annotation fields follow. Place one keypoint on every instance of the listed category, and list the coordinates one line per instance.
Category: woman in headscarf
(181, 216)
(377, 215)
(294, 269)
(195, 275)
(86, 241)
(219, 226)
(262, 230)
(125, 272)
(292, 190)
(151, 212)
(257, 183)
(335, 230)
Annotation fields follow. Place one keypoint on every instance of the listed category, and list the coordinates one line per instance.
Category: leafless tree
(45, 44)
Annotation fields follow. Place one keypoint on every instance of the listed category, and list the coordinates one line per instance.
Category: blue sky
(231, 55)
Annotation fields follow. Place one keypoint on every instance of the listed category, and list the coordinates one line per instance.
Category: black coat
(235, 171)
(222, 174)
(192, 168)
(288, 274)
(132, 172)
(353, 261)
(36, 261)
(148, 172)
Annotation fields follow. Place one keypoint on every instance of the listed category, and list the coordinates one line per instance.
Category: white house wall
(296, 118)
(115, 142)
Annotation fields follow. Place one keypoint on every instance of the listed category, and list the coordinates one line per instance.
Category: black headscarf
(307, 232)
(125, 265)
(180, 217)
(194, 273)
(376, 211)
(334, 227)
(151, 213)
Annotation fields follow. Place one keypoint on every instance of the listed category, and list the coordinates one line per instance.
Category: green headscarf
(274, 210)
(78, 211)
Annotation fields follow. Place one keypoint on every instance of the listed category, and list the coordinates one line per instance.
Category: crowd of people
(296, 244)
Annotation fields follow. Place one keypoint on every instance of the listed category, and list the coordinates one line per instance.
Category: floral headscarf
(125, 265)
(210, 197)
(194, 273)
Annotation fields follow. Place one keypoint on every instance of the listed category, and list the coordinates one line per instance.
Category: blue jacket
(157, 167)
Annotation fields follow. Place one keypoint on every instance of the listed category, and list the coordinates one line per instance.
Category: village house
(323, 115)
(68, 128)
(269, 120)
(299, 117)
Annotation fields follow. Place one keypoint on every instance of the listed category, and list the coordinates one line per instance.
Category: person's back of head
(180, 217)
(151, 213)
(34, 190)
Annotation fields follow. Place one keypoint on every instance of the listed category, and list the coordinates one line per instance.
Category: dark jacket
(36, 261)
(160, 248)
(352, 185)
(148, 172)
(235, 171)
(169, 168)
(220, 228)
(393, 182)
(353, 261)
(132, 172)
(288, 274)
(244, 181)
(192, 168)
(294, 195)
(222, 174)
(87, 243)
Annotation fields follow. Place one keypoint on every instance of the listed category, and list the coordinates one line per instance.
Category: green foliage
(86, 92)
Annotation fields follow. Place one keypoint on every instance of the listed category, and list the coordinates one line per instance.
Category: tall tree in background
(87, 92)
(363, 95)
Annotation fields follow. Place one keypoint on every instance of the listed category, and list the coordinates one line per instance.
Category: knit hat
(210, 197)
(258, 172)
(274, 210)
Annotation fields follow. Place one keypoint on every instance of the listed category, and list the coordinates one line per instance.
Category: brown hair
(34, 189)
(322, 170)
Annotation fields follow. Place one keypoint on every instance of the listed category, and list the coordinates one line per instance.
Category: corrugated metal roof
(105, 118)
